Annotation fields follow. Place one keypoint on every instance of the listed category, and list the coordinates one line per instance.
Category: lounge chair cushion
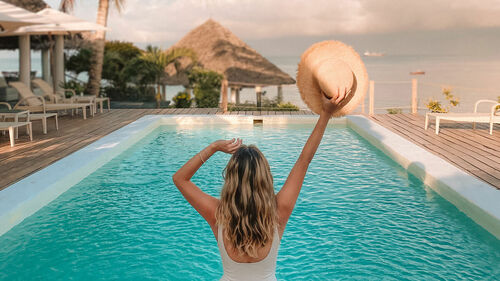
(26, 92)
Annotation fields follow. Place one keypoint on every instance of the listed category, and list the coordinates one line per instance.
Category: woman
(249, 220)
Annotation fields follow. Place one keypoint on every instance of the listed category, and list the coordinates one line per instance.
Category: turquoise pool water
(359, 216)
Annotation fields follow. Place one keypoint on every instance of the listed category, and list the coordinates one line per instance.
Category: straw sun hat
(327, 66)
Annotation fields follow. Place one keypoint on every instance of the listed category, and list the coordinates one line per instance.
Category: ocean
(469, 78)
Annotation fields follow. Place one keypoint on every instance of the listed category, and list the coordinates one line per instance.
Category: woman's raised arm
(202, 202)
(287, 196)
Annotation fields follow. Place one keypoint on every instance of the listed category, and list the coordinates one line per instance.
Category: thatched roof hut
(220, 50)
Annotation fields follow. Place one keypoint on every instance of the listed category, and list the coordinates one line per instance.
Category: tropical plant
(79, 62)
(127, 50)
(206, 87)
(158, 59)
(394, 110)
(436, 106)
(117, 56)
(268, 104)
(77, 86)
(288, 106)
(97, 58)
(182, 100)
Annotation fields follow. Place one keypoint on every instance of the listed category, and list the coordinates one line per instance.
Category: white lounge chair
(43, 116)
(48, 90)
(37, 105)
(10, 126)
(475, 117)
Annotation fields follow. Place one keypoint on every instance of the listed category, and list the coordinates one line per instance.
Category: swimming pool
(360, 216)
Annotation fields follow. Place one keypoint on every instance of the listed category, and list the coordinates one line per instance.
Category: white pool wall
(23, 198)
(474, 197)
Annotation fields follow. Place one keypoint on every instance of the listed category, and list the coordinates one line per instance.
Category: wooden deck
(474, 151)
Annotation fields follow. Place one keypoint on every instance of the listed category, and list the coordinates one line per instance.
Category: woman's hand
(227, 146)
(330, 105)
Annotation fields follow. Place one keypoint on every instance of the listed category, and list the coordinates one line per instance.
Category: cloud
(160, 20)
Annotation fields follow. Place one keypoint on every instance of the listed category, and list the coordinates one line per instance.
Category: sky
(278, 27)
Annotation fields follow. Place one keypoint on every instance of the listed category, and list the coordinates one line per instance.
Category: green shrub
(394, 111)
(435, 105)
(79, 62)
(75, 85)
(206, 87)
(287, 107)
(143, 94)
(182, 100)
(267, 105)
(125, 50)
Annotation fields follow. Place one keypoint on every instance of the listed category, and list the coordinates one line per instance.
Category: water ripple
(359, 216)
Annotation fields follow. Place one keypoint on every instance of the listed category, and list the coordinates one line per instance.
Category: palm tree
(96, 60)
(160, 59)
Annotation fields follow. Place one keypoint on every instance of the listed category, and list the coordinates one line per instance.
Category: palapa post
(224, 95)
(280, 94)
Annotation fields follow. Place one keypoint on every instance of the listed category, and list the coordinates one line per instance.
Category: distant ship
(373, 54)
(417, 72)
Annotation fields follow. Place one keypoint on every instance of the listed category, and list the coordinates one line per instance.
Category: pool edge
(474, 197)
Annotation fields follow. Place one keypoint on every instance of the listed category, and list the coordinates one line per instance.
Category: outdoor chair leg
(109, 104)
(57, 123)
(426, 121)
(491, 128)
(437, 125)
(11, 136)
(84, 112)
(31, 130)
(44, 125)
(16, 119)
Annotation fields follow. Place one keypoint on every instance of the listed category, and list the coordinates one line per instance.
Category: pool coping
(472, 196)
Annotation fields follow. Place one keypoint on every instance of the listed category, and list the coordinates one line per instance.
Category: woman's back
(248, 206)
(263, 269)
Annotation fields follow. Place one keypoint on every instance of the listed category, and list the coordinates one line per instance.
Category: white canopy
(60, 23)
(12, 17)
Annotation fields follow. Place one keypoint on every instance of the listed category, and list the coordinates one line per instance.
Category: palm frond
(67, 6)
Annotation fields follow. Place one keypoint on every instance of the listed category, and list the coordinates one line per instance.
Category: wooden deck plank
(461, 146)
(468, 144)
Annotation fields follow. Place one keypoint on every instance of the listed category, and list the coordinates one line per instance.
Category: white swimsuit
(263, 270)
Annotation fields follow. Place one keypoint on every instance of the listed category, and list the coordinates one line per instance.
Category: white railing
(413, 107)
(371, 96)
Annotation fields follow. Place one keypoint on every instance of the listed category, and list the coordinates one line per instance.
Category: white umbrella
(60, 23)
(12, 17)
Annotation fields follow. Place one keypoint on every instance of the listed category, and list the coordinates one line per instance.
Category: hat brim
(309, 89)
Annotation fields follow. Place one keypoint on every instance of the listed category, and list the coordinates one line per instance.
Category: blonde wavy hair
(247, 208)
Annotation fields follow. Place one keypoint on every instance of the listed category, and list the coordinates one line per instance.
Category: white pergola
(13, 17)
(58, 24)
